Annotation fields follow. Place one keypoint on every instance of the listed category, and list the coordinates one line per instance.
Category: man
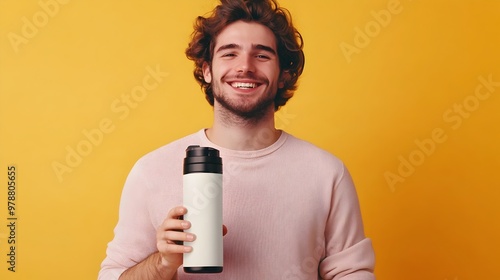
(290, 208)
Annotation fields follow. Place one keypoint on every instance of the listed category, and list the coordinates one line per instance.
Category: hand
(168, 235)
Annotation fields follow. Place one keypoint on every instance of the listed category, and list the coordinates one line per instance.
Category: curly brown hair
(266, 12)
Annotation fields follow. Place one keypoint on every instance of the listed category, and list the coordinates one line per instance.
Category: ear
(284, 78)
(207, 72)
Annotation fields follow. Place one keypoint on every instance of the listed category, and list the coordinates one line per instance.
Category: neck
(236, 133)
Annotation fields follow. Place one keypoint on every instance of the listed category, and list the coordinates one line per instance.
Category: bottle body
(202, 196)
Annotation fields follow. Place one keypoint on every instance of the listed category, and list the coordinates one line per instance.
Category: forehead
(246, 34)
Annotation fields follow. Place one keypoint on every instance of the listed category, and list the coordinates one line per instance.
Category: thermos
(202, 195)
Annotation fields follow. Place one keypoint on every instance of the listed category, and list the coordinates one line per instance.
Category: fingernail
(189, 237)
(185, 224)
(187, 249)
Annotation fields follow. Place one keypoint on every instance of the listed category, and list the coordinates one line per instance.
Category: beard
(244, 108)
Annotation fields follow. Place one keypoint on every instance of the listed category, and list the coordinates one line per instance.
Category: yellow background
(370, 107)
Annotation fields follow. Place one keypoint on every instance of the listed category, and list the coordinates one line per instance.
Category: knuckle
(172, 248)
(161, 246)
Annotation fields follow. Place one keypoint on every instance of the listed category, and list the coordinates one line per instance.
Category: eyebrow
(265, 48)
(256, 46)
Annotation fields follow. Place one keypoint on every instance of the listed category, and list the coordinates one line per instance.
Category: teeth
(244, 85)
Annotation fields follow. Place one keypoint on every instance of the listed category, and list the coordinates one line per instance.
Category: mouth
(243, 85)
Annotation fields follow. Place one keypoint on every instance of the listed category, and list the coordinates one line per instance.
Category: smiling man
(244, 72)
(290, 209)
(244, 75)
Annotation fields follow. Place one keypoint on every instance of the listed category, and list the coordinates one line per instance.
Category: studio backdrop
(406, 93)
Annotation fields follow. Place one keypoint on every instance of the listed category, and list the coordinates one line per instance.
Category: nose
(245, 64)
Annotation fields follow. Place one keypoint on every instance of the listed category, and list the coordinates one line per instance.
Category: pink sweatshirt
(291, 211)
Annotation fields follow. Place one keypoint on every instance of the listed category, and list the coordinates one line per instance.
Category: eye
(228, 55)
(262, 57)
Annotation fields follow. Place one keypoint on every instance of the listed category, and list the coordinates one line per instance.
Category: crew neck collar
(244, 154)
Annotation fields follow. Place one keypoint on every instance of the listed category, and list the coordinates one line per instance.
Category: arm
(137, 241)
(164, 263)
(349, 254)
(151, 268)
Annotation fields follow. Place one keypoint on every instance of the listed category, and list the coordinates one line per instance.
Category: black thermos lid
(202, 159)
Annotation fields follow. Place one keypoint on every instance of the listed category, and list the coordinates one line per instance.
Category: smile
(243, 85)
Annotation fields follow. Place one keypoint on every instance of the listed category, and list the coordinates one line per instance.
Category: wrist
(163, 266)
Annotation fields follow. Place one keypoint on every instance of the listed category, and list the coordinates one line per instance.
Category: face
(245, 72)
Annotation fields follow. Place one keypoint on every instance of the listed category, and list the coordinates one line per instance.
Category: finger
(172, 248)
(167, 238)
(174, 219)
(176, 212)
(174, 224)
(173, 236)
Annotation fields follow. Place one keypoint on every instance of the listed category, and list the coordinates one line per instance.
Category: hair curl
(266, 12)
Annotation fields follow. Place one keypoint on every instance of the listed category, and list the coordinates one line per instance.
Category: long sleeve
(349, 254)
(135, 236)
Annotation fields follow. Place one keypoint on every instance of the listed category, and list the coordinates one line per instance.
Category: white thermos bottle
(202, 183)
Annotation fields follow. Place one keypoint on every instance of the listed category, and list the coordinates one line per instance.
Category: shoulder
(168, 155)
(307, 152)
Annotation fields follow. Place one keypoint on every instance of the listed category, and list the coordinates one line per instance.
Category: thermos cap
(202, 159)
